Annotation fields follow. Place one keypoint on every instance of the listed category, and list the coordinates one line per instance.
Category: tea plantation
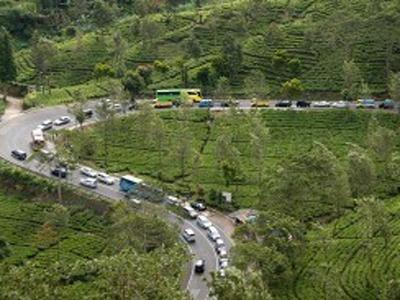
(291, 135)
(283, 40)
(84, 236)
(349, 265)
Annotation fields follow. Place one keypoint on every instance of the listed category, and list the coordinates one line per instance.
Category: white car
(213, 233)
(203, 222)
(223, 253)
(321, 104)
(223, 263)
(117, 107)
(189, 235)
(89, 182)
(105, 178)
(340, 104)
(62, 120)
(88, 172)
(46, 125)
(219, 243)
(173, 200)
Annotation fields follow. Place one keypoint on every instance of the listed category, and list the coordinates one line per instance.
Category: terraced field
(262, 30)
(291, 134)
(21, 220)
(347, 268)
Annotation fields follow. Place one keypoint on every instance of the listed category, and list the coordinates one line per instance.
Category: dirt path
(13, 108)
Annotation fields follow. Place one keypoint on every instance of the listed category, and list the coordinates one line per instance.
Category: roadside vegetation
(322, 181)
(190, 152)
(81, 248)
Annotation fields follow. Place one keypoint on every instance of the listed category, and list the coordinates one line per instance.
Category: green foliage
(292, 89)
(361, 172)
(356, 261)
(291, 136)
(239, 285)
(126, 275)
(92, 89)
(394, 86)
(54, 251)
(133, 83)
(103, 70)
(8, 70)
(351, 80)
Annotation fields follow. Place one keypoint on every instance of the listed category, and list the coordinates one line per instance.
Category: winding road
(15, 133)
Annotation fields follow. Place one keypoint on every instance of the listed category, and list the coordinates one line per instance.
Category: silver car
(88, 172)
(46, 125)
(105, 178)
(89, 182)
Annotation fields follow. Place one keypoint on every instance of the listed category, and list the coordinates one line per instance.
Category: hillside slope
(307, 39)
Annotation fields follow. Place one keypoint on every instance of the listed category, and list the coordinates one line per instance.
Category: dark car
(387, 104)
(200, 266)
(303, 104)
(198, 206)
(59, 172)
(19, 154)
(229, 103)
(284, 103)
(88, 113)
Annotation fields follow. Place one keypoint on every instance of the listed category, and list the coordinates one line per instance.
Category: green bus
(172, 96)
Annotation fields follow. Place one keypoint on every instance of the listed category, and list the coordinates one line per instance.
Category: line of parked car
(92, 177)
(194, 211)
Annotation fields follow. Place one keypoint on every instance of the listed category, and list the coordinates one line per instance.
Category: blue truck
(129, 183)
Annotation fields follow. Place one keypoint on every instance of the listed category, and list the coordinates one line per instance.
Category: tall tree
(159, 139)
(222, 89)
(77, 109)
(4, 249)
(134, 84)
(259, 137)
(314, 178)
(184, 150)
(8, 71)
(119, 49)
(380, 140)
(106, 115)
(394, 86)
(229, 62)
(42, 52)
(103, 13)
(351, 80)
(292, 89)
(361, 172)
(256, 85)
(228, 158)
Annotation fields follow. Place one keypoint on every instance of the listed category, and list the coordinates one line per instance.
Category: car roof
(189, 231)
(200, 262)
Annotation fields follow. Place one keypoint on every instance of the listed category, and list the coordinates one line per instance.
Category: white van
(173, 200)
(213, 233)
(203, 222)
(190, 211)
